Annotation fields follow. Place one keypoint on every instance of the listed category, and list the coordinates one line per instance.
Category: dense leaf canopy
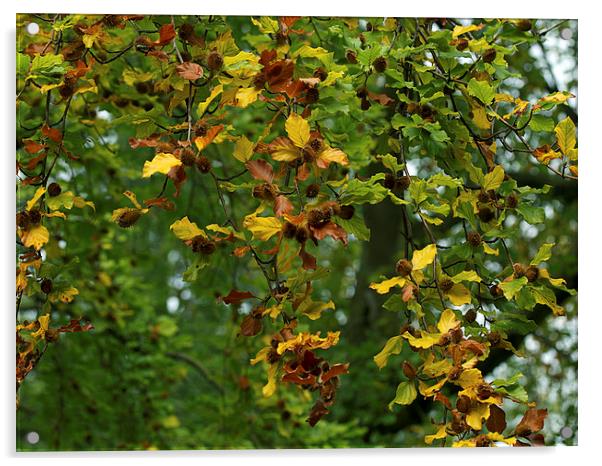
(259, 232)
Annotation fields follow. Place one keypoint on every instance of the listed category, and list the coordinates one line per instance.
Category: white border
(590, 200)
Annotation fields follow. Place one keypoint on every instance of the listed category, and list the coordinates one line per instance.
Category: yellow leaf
(557, 97)
(447, 321)
(459, 295)
(273, 312)
(36, 236)
(261, 355)
(467, 275)
(55, 214)
(469, 378)
(80, 203)
(332, 78)
(132, 197)
(239, 57)
(184, 229)
(428, 439)
(161, 163)
(425, 341)
(266, 25)
(262, 228)
(217, 90)
(566, 135)
(243, 149)
(170, 422)
(405, 394)
(489, 250)
(331, 154)
(245, 96)
(285, 154)
(493, 179)
(38, 194)
(385, 286)
(225, 230)
(424, 257)
(64, 296)
(393, 346)
(475, 416)
(313, 309)
(306, 51)
(459, 30)
(480, 118)
(297, 129)
(269, 388)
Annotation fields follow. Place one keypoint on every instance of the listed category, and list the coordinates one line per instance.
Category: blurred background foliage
(164, 367)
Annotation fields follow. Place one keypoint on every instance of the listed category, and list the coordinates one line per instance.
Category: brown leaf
(278, 74)
(309, 261)
(190, 71)
(318, 411)
(260, 170)
(36, 160)
(33, 147)
(52, 133)
(531, 422)
(178, 176)
(76, 326)
(160, 202)
(335, 371)
(497, 419)
(282, 206)
(166, 34)
(235, 297)
(250, 325)
(151, 141)
(241, 251)
(331, 229)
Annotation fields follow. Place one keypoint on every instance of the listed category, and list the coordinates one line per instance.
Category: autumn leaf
(393, 346)
(384, 286)
(189, 70)
(262, 228)
(566, 135)
(283, 150)
(532, 421)
(185, 230)
(423, 257)
(493, 179)
(260, 170)
(161, 163)
(297, 129)
(405, 394)
(36, 236)
(329, 155)
(447, 321)
(243, 149)
(235, 297)
(282, 206)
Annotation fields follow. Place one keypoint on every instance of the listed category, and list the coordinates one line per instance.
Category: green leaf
(481, 90)
(512, 287)
(566, 135)
(355, 226)
(493, 179)
(546, 296)
(544, 253)
(192, 272)
(395, 303)
(166, 326)
(391, 163)
(393, 346)
(531, 214)
(508, 382)
(364, 192)
(541, 123)
(405, 394)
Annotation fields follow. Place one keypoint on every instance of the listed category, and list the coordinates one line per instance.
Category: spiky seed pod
(259, 81)
(316, 144)
(200, 130)
(289, 230)
(389, 181)
(482, 441)
(446, 284)
(346, 212)
(186, 31)
(486, 215)
(483, 197)
(351, 57)
(380, 64)
(470, 316)
(457, 335)
(511, 201)
(484, 391)
(454, 373)
(317, 218)
(215, 61)
(202, 245)
(66, 90)
(273, 356)
(307, 156)
(302, 234)
(458, 423)
(35, 217)
(142, 87)
(463, 404)
(461, 44)
(128, 218)
(54, 189)
(519, 270)
(496, 291)
(408, 370)
(312, 190)
(474, 238)
(259, 191)
(320, 73)
(444, 340)
(369, 26)
(403, 182)
(188, 158)
(494, 338)
(362, 92)
(46, 285)
(365, 104)
(532, 273)
(312, 95)
(23, 219)
(403, 267)
(489, 55)
(524, 25)
(203, 164)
